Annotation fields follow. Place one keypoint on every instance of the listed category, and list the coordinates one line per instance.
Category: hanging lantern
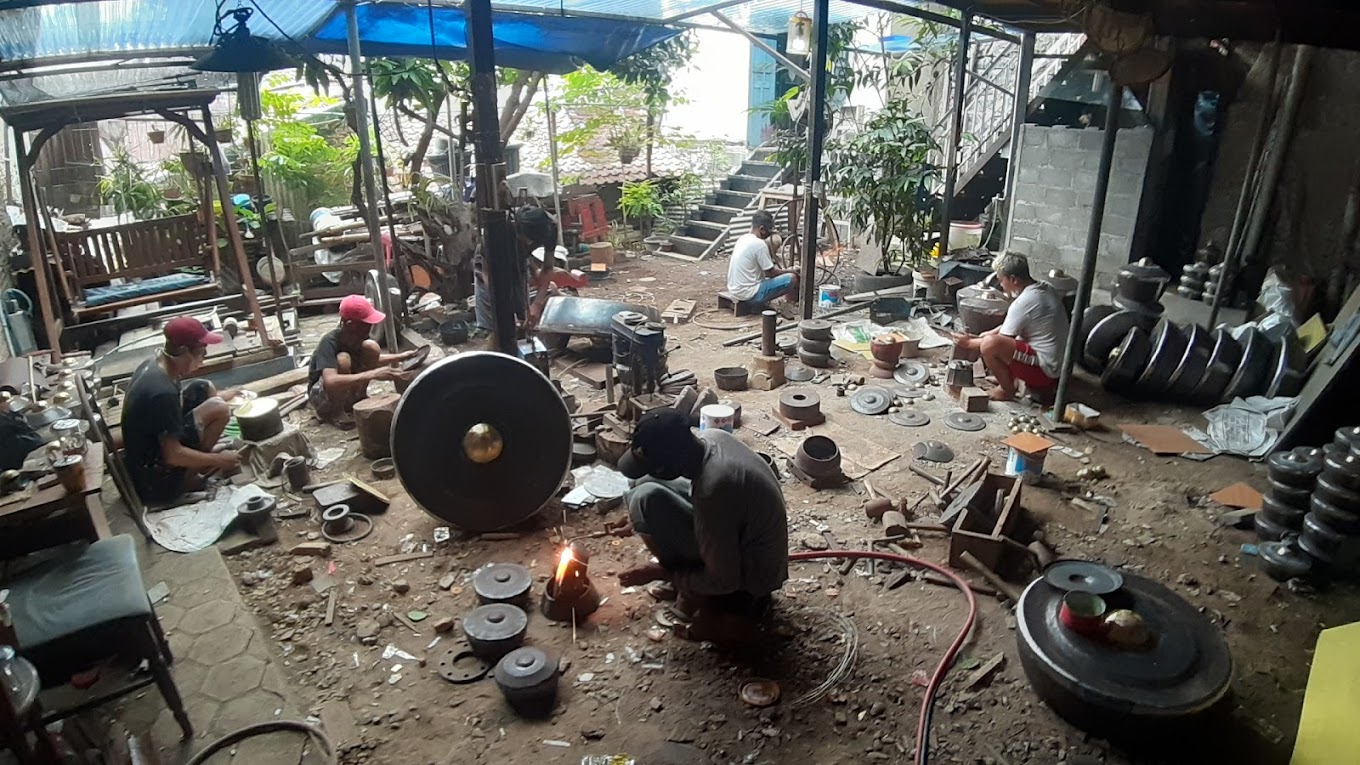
(800, 35)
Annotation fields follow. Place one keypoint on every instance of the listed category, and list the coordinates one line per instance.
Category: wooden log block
(373, 421)
(973, 399)
(895, 524)
(767, 372)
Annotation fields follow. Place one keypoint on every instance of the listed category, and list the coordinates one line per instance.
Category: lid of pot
(525, 667)
(1144, 270)
(1060, 281)
(68, 425)
(495, 622)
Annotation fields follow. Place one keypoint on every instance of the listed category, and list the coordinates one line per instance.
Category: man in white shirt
(1028, 346)
(751, 275)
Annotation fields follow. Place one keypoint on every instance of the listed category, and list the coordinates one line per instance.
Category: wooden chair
(172, 258)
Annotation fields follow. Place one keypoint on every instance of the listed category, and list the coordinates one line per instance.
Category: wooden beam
(36, 256)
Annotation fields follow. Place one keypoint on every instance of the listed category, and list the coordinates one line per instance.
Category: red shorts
(1025, 366)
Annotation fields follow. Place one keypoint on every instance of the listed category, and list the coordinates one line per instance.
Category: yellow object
(483, 443)
(1328, 734)
(1313, 333)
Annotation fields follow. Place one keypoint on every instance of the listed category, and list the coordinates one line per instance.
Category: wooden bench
(728, 301)
(150, 257)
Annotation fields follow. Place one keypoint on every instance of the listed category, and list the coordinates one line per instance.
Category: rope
(260, 729)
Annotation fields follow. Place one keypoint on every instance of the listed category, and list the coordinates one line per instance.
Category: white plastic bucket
(829, 295)
(717, 417)
(964, 235)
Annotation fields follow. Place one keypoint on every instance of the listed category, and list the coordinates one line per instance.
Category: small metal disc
(909, 418)
(871, 401)
(799, 374)
(502, 583)
(460, 665)
(760, 693)
(912, 372)
(932, 451)
(1083, 576)
(965, 421)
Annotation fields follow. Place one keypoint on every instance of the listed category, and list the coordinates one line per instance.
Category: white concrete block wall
(1055, 188)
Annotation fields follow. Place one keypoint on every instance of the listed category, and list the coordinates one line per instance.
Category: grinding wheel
(870, 400)
(1168, 347)
(1253, 371)
(1194, 362)
(1183, 673)
(481, 440)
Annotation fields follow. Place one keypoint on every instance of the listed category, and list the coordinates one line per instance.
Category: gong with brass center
(481, 440)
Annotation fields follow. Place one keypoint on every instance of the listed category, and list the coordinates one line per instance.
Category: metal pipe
(387, 199)
(816, 136)
(1249, 185)
(1088, 262)
(768, 321)
(498, 241)
(1020, 112)
(951, 151)
(356, 65)
(552, 155)
(797, 70)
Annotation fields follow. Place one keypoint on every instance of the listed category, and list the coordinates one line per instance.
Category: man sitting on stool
(1028, 346)
(169, 435)
(346, 361)
(751, 276)
(712, 513)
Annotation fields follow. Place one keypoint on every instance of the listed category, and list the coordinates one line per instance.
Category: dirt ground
(671, 701)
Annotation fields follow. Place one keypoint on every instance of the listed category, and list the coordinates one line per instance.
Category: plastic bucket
(829, 295)
(1027, 467)
(717, 417)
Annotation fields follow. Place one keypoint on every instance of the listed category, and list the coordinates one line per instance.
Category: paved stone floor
(223, 665)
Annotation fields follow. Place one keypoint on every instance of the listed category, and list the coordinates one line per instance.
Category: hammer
(877, 506)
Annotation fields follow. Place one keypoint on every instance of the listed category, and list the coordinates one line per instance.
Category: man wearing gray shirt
(713, 514)
(1028, 346)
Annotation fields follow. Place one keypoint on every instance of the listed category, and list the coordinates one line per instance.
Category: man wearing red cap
(169, 433)
(346, 361)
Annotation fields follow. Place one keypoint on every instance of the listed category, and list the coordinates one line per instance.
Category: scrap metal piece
(965, 421)
(568, 315)
(460, 666)
(799, 374)
(1253, 372)
(502, 583)
(1083, 576)
(1127, 362)
(1105, 336)
(912, 372)
(800, 404)
(909, 418)
(1168, 347)
(1223, 361)
(932, 451)
(1194, 362)
(481, 440)
(870, 400)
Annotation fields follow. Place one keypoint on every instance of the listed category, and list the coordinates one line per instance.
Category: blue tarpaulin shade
(556, 44)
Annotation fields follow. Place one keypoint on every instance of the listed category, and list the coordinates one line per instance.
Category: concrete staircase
(708, 228)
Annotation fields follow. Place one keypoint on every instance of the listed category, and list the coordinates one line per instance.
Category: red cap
(357, 308)
(188, 332)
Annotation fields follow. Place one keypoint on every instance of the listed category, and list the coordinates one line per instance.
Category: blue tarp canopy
(555, 44)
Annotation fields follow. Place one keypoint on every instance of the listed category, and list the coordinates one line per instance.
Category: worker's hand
(385, 373)
(227, 461)
(634, 577)
(535, 314)
(623, 528)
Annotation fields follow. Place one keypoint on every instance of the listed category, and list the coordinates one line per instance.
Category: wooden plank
(279, 382)
(330, 605)
(402, 558)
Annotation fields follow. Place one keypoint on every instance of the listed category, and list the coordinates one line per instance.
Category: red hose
(923, 723)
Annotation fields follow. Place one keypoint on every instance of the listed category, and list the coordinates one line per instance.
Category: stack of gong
(1138, 357)
(1194, 277)
(1292, 476)
(814, 342)
(495, 632)
(1331, 529)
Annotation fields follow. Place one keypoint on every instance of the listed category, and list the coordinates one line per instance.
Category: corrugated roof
(760, 16)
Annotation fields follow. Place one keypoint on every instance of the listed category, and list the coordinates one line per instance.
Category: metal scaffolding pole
(1088, 262)
(498, 241)
(816, 137)
(369, 177)
(1023, 74)
(951, 150)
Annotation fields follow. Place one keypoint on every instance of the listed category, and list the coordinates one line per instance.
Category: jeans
(772, 288)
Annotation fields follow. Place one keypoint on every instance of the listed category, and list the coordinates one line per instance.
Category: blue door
(762, 92)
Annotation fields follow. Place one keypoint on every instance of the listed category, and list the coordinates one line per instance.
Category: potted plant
(223, 134)
(156, 136)
(626, 138)
(124, 186)
(641, 202)
(883, 174)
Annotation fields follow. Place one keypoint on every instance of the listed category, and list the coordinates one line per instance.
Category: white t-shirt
(1037, 316)
(750, 261)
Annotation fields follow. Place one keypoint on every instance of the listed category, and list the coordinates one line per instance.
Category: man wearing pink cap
(346, 361)
(169, 432)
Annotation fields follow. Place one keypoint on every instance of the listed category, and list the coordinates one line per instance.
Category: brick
(1029, 171)
(1056, 216)
(318, 549)
(1026, 211)
(1024, 231)
(1117, 225)
(1063, 138)
(1090, 139)
(1061, 198)
(1084, 183)
(1032, 136)
(1055, 179)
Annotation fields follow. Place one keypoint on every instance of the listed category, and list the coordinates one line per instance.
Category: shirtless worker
(751, 275)
(1028, 346)
(346, 360)
(169, 432)
(712, 513)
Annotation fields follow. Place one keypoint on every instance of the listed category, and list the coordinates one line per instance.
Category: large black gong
(1115, 692)
(481, 440)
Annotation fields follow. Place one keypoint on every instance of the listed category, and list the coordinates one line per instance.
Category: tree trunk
(521, 98)
(651, 138)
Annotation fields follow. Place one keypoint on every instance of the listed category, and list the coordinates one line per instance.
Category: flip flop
(663, 591)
